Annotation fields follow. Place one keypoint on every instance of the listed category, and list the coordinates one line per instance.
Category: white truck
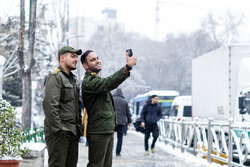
(221, 91)
(220, 82)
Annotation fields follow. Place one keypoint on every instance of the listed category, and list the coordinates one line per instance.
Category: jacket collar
(91, 73)
(69, 75)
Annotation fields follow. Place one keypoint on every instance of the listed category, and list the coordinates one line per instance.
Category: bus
(166, 98)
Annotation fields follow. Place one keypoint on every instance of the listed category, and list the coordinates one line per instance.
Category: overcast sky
(175, 15)
(139, 15)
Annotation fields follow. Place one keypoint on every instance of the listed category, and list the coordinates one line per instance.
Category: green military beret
(69, 49)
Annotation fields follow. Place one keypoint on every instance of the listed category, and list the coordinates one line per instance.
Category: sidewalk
(133, 155)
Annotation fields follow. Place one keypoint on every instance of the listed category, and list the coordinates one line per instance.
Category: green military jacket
(98, 101)
(61, 102)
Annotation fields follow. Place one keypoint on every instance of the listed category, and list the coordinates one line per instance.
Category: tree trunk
(21, 36)
(26, 101)
(26, 77)
(20, 53)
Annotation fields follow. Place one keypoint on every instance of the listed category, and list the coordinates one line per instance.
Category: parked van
(181, 108)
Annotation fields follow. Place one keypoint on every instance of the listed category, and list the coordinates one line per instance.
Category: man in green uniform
(99, 104)
(61, 104)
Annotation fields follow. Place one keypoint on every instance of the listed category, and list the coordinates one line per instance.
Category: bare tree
(224, 29)
(58, 27)
(26, 66)
(21, 35)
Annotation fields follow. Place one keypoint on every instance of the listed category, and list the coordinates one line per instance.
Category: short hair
(153, 96)
(84, 55)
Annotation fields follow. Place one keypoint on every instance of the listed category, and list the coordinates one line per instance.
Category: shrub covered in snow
(11, 135)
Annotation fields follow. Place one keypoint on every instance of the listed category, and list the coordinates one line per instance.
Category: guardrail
(224, 143)
(34, 135)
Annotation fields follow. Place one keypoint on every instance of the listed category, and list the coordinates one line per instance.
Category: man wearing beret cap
(61, 104)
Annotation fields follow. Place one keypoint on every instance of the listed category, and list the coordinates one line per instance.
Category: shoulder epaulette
(56, 71)
(93, 73)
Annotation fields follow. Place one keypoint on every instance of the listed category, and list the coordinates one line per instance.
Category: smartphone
(130, 53)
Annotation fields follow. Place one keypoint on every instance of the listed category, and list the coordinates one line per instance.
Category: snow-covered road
(133, 155)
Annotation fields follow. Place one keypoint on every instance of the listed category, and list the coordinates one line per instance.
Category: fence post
(165, 130)
(195, 136)
(230, 143)
(182, 135)
(168, 130)
(172, 131)
(210, 141)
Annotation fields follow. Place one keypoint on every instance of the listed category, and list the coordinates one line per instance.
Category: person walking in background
(62, 109)
(151, 113)
(99, 104)
(123, 118)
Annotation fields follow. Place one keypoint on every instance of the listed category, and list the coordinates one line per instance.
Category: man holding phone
(99, 104)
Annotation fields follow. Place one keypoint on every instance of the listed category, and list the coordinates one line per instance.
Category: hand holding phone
(130, 52)
(131, 61)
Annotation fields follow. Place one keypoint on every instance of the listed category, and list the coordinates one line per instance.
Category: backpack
(137, 123)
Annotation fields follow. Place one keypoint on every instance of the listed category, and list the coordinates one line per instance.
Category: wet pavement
(133, 155)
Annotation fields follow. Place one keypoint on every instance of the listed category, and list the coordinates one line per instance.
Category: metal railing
(223, 143)
(34, 135)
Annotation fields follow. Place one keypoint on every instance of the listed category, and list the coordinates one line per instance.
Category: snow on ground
(36, 149)
(34, 146)
(177, 152)
(11, 158)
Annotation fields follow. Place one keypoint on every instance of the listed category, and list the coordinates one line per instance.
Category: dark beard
(70, 67)
(95, 70)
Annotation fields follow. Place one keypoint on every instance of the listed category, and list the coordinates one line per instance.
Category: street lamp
(2, 61)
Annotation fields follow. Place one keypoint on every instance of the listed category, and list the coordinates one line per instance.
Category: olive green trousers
(62, 149)
(100, 150)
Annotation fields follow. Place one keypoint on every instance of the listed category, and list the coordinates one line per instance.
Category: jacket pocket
(67, 92)
(69, 118)
(106, 114)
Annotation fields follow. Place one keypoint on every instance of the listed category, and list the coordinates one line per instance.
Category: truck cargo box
(218, 78)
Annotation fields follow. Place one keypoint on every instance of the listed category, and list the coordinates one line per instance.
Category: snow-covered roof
(159, 93)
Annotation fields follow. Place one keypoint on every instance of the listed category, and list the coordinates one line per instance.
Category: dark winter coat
(98, 101)
(121, 108)
(151, 113)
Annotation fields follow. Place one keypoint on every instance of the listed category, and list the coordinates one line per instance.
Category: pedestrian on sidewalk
(123, 118)
(62, 109)
(151, 113)
(99, 104)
